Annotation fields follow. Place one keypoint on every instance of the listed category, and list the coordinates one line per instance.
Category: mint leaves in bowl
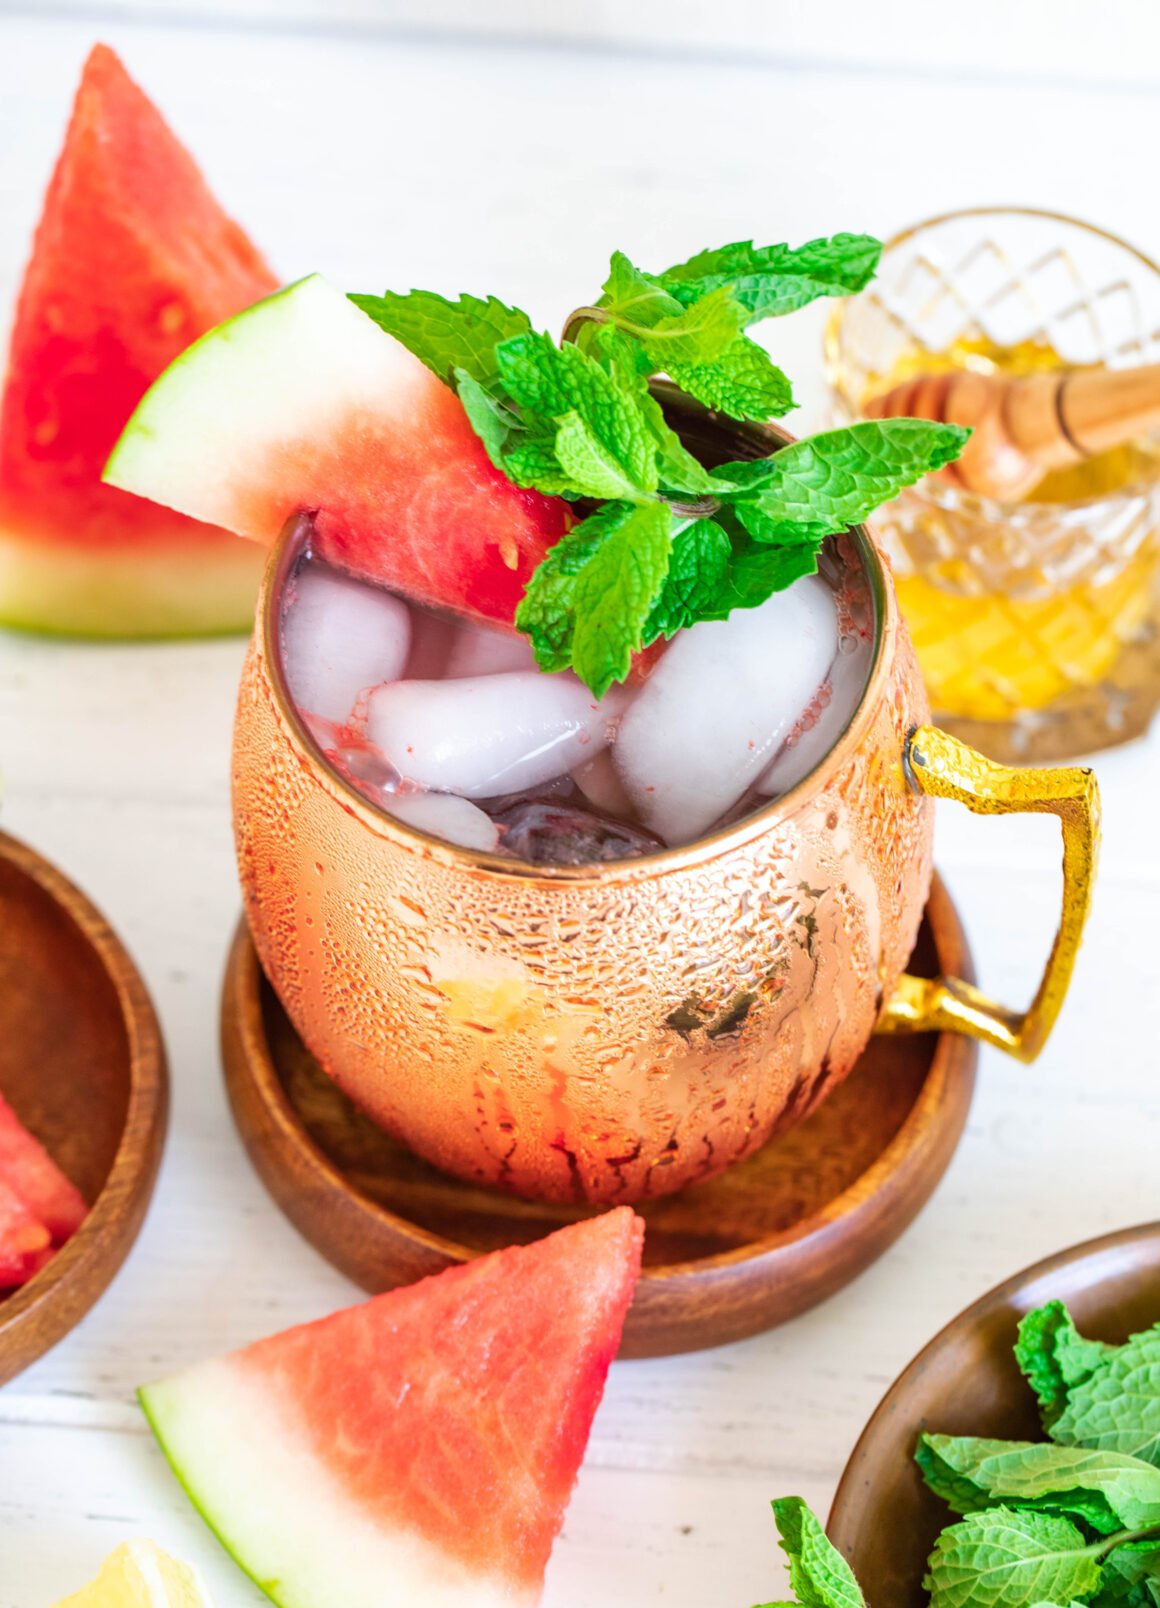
(1036, 1419)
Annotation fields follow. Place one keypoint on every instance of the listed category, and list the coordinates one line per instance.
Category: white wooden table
(492, 164)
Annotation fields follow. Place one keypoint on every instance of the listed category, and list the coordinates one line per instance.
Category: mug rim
(283, 558)
(957, 497)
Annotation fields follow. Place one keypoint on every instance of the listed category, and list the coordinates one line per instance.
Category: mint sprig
(662, 542)
(770, 280)
(819, 1576)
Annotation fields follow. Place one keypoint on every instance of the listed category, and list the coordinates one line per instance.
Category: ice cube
(476, 651)
(445, 815)
(719, 705)
(487, 735)
(339, 637)
(601, 785)
(547, 833)
(824, 721)
(432, 636)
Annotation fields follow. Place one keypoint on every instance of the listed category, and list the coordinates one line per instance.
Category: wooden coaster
(966, 1382)
(724, 1259)
(82, 1063)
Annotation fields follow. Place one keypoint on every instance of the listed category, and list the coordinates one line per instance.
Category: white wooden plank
(1035, 40)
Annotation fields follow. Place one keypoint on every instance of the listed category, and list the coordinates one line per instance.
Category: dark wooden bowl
(82, 1062)
(723, 1259)
(966, 1383)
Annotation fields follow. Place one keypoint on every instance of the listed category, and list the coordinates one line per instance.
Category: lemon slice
(140, 1575)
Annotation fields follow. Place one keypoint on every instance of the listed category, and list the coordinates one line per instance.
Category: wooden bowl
(966, 1382)
(82, 1062)
(725, 1259)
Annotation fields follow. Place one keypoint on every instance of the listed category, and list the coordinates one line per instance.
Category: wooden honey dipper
(1024, 427)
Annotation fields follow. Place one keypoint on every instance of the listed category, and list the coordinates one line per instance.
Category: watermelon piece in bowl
(303, 404)
(30, 1173)
(25, 1243)
(419, 1448)
(133, 259)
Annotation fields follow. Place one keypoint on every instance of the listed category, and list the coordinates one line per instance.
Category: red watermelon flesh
(420, 1448)
(24, 1240)
(133, 260)
(30, 1172)
(418, 507)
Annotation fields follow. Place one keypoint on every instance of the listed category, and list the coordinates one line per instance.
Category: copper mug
(610, 1032)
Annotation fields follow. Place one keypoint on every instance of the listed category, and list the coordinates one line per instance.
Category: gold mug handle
(940, 765)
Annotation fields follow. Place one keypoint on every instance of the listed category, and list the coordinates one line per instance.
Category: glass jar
(1037, 623)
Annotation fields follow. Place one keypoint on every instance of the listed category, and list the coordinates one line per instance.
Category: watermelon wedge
(30, 1172)
(25, 1243)
(303, 403)
(133, 259)
(419, 1448)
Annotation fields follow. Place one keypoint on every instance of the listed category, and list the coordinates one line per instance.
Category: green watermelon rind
(155, 1420)
(195, 1414)
(140, 592)
(137, 444)
(197, 441)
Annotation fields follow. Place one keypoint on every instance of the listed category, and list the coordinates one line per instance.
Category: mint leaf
(587, 603)
(698, 566)
(1117, 1408)
(678, 470)
(589, 466)
(617, 352)
(822, 485)
(447, 335)
(1054, 1357)
(1131, 1577)
(700, 347)
(756, 573)
(1001, 1559)
(818, 1574)
(548, 381)
(698, 333)
(630, 293)
(1105, 1490)
(532, 462)
(614, 595)
(744, 382)
(770, 280)
(961, 1490)
(491, 421)
(547, 612)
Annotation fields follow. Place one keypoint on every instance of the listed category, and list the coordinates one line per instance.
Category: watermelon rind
(247, 1468)
(290, 368)
(144, 591)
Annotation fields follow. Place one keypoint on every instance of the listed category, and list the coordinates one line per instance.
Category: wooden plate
(82, 1062)
(724, 1259)
(966, 1383)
